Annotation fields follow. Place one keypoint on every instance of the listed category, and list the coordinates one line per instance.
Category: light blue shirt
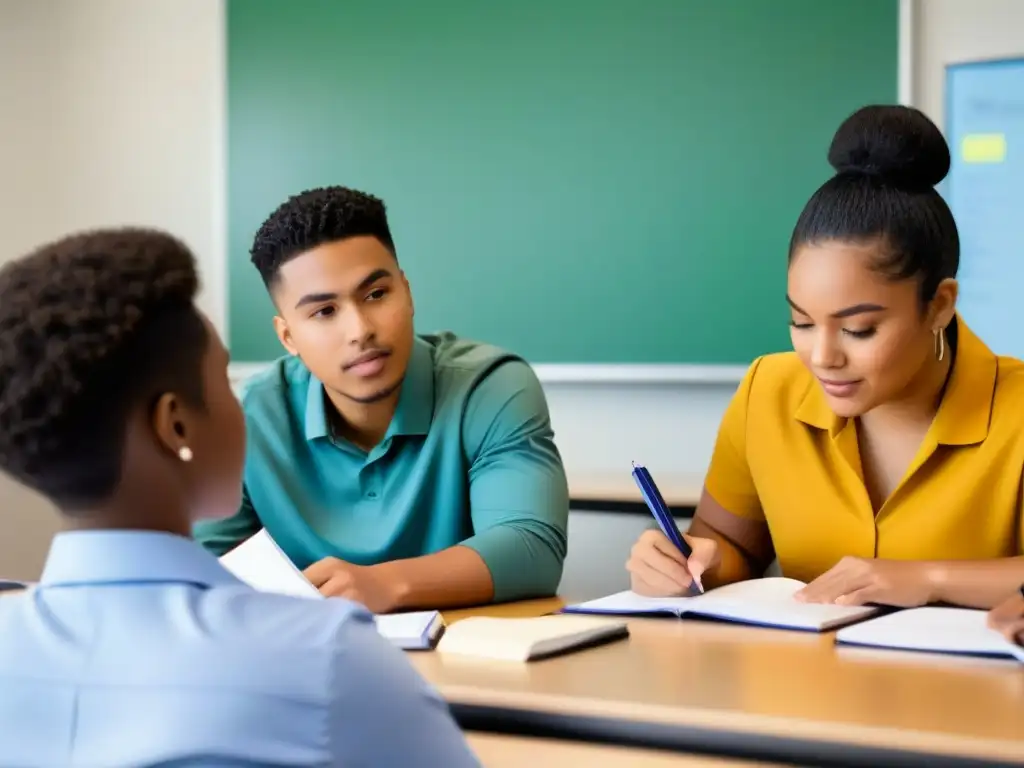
(139, 649)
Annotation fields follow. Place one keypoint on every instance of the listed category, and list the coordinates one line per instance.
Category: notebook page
(261, 564)
(774, 590)
(771, 589)
(628, 602)
(942, 630)
(767, 601)
(793, 615)
(770, 602)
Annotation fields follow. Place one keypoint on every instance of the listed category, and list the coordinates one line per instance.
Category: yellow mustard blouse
(783, 456)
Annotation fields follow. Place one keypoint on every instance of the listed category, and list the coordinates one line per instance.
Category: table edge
(737, 739)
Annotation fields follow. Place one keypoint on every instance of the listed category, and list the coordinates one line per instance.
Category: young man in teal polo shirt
(398, 470)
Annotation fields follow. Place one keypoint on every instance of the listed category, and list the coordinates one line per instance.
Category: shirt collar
(966, 408)
(316, 415)
(416, 402)
(127, 556)
(415, 408)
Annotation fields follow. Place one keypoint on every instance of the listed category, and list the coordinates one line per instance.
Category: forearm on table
(453, 577)
(524, 556)
(974, 583)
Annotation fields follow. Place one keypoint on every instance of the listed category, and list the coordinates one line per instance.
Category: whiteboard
(985, 190)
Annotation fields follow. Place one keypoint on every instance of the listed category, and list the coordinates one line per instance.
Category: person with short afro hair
(401, 470)
(313, 218)
(91, 328)
(136, 647)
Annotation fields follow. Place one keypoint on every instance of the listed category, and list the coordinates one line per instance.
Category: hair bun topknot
(899, 145)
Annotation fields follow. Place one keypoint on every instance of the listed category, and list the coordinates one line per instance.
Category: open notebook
(528, 639)
(766, 602)
(260, 563)
(933, 630)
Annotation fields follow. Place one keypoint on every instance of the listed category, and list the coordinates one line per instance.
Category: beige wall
(116, 115)
(111, 112)
(956, 31)
(28, 122)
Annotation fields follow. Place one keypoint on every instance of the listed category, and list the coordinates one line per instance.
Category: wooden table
(498, 751)
(679, 490)
(740, 691)
(523, 609)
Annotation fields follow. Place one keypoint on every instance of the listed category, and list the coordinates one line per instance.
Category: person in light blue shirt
(137, 648)
(398, 469)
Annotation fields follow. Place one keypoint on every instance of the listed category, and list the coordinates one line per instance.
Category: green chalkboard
(581, 181)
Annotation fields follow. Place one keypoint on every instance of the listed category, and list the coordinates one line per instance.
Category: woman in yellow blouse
(880, 461)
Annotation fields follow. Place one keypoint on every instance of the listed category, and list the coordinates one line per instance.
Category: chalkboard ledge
(587, 373)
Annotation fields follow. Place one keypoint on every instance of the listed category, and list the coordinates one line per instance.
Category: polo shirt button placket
(371, 489)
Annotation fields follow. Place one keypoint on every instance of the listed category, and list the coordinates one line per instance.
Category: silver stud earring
(185, 453)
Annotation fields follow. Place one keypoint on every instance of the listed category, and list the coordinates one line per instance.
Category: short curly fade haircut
(92, 327)
(315, 217)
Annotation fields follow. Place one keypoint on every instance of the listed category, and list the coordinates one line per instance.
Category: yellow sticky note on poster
(983, 148)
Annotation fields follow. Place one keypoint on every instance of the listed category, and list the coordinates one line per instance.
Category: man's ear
(170, 425)
(943, 304)
(284, 335)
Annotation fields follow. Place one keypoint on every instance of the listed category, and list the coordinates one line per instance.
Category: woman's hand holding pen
(658, 569)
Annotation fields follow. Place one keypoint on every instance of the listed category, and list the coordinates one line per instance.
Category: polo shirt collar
(316, 415)
(966, 408)
(130, 556)
(814, 410)
(415, 408)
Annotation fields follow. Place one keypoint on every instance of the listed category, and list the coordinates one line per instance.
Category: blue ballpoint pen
(656, 504)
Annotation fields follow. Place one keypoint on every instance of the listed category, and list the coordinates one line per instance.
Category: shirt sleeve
(729, 481)
(519, 495)
(383, 712)
(1020, 524)
(221, 536)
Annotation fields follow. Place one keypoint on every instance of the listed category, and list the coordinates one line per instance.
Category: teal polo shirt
(469, 458)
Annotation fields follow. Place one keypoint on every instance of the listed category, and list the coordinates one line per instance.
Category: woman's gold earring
(185, 453)
(940, 343)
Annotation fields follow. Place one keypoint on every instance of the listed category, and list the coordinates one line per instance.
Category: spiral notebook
(263, 565)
